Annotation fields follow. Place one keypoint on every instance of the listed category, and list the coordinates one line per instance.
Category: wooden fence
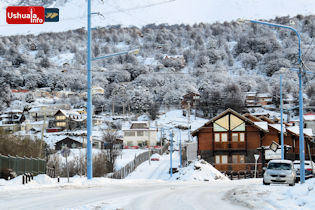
(131, 166)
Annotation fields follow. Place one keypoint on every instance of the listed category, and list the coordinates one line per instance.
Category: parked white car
(280, 172)
(309, 167)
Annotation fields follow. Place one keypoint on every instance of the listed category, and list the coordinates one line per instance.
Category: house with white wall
(140, 134)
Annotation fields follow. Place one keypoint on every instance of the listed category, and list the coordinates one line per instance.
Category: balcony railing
(238, 167)
(229, 146)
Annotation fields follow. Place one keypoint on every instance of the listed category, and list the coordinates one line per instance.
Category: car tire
(292, 184)
(264, 183)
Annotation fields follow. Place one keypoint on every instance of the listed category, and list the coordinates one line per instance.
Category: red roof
(19, 91)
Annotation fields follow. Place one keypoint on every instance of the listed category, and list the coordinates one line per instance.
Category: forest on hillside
(221, 61)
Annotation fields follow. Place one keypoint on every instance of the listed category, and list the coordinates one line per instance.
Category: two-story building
(67, 120)
(140, 134)
(230, 140)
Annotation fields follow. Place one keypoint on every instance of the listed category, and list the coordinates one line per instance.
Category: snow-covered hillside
(143, 12)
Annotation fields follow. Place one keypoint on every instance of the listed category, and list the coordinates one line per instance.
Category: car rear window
(279, 166)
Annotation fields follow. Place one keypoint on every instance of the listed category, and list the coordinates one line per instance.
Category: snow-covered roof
(309, 117)
(251, 93)
(260, 114)
(278, 127)
(296, 130)
(263, 95)
(263, 125)
(68, 113)
(13, 111)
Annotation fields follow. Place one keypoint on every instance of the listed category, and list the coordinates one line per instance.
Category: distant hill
(143, 12)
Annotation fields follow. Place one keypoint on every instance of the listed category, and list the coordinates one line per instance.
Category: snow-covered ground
(170, 120)
(159, 170)
(104, 193)
(142, 12)
(127, 155)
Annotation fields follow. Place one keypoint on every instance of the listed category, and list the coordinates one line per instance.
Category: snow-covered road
(124, 194)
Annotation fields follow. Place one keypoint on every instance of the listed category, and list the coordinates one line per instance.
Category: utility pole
(171, 152)
(281, 116)
(89, 93)
(188, 112)
(301, 132)
(42, 136)
(113, 108)
(180, 149)
(89, 86)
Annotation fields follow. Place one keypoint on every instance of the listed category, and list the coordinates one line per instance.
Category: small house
(140, 134)
(70, 142)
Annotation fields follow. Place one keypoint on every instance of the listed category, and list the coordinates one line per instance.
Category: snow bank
(43, 179)
(199, 171)
(281, 196)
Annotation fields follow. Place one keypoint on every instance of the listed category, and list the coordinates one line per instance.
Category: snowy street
(123, 194)
(104, 193)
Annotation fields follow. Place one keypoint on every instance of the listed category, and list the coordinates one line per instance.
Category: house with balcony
(140, 134)
(11, 120)
(230, 140)
(67, 120)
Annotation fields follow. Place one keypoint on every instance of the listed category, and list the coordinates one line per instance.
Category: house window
(61, 124)
(130, 133)
(217, 137)
(140, 143)
(242, 137)
(221, 159)
(238, 137)
(224, 137)
(234, 136)
(220, 137)
(238, 159)
(62, 117)
(139, 133)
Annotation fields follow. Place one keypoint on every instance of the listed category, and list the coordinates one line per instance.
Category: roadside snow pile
(156, 156)
(43, 179)
(277, 196)
(199, 171)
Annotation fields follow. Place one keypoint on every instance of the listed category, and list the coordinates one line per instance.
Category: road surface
(125, 194)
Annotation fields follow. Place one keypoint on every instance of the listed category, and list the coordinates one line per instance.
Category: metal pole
(255, 169)
(171, 158)
(180, 149)
(301, 137)
(89, 93)
(281, 111)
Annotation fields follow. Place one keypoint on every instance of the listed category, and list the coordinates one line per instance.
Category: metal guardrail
(22, 165)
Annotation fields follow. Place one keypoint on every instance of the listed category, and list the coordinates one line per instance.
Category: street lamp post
(281, 116)
(301, 137)
(89, 86)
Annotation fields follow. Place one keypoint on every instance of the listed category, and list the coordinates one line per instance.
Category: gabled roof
(277, 127)
(267, 120)
(252, 117)
(229, 110)
(296, 131)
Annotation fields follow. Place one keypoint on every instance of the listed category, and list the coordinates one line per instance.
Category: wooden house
(68, 120)
(69, 142)
(230, 140)
(189, 100)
